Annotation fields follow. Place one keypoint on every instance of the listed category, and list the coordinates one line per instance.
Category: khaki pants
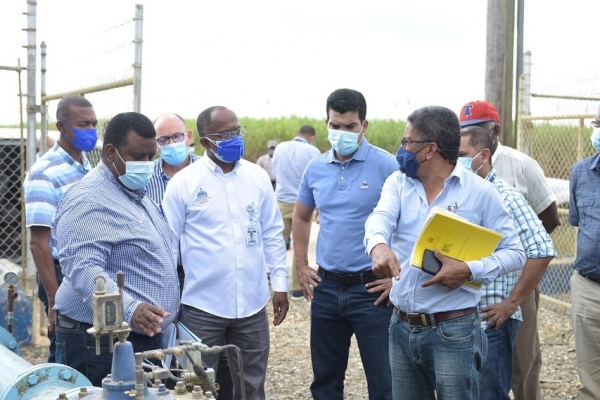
(527, 356)
(585, 317)
(287, 211)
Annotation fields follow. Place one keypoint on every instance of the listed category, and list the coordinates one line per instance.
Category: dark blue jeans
(44, 299)
(337, 312)
(77, 348)
(495, 378)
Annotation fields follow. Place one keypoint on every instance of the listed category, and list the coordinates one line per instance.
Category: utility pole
(519, 63)
(499, 69)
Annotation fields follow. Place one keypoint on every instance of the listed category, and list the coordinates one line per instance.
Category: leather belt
(419, 319)
(63, 321)
(589, 278)
(348, 279)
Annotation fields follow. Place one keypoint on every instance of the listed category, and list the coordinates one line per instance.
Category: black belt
(63, 321)
(348, 279)
(419, 319)
(589, 278)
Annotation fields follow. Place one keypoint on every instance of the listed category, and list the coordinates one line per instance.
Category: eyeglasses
(226, 135)
(176, 138)
(405, 142)
(595, 124)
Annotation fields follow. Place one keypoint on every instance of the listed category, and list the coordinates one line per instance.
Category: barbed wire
(115, 27)
(111, 50)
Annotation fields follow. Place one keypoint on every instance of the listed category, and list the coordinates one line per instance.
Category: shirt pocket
(585, 207)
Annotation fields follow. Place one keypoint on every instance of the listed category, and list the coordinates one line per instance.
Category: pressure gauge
(11, 278)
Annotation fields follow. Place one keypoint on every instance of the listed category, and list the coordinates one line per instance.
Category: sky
(269, 58)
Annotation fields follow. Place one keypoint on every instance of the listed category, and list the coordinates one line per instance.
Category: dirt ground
(289, 373)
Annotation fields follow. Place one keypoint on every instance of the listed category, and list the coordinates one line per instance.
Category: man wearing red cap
(526, 175)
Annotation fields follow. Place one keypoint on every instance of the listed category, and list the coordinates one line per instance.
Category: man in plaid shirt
(500, 300)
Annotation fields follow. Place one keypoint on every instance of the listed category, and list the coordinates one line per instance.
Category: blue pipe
(21, 380)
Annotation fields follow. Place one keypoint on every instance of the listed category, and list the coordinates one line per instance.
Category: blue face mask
(174, 154)
(85, 139)
(343, 142)
(466, 163)
(407, 161)
(229, 151)
(595, 138)
(137, 173)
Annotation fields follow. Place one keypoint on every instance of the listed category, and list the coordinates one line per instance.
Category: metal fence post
(44, 105)
(137, 65)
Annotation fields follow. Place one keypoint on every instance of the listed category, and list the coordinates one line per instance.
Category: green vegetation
(382, 133)
(555, 146)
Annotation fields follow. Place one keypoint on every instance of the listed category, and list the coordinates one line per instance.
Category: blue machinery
(19, 380)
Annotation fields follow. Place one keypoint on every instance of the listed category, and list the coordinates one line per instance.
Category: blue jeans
(444, 359)
(77, 348)
(495, 378)
(44, 299)
(337, 312)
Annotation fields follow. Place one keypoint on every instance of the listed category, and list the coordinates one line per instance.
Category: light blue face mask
(344, 142)
(137, 173)
(466, 163)
(174, 154)
(595, 138)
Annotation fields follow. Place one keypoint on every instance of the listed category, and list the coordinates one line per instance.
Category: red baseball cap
(476, 112)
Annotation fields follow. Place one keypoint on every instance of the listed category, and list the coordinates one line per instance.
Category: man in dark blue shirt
(584, 212)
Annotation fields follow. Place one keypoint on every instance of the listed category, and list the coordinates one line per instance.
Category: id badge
(251, 239)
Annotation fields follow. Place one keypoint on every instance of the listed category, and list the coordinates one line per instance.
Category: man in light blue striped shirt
(174, 141)
(104, 224)
(500, 300)
(46, 182)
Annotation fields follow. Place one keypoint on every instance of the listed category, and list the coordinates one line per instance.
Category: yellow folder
(454, 237)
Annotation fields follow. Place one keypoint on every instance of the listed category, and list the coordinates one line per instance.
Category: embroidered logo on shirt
(364, 185)
(202, 197)
(453, 208)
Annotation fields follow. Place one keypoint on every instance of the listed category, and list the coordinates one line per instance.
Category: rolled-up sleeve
(509, 255)
(382, 222)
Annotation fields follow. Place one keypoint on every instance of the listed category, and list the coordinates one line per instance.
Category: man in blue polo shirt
(344, 184)
(46, 182)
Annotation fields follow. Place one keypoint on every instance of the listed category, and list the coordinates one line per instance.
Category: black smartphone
(430, 263)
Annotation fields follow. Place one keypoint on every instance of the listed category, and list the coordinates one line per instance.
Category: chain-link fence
(11, 233)
(556, 140)
(12, 169)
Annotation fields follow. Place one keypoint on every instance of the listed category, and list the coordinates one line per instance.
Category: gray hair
(439, 125)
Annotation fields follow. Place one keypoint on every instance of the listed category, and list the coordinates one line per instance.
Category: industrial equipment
(128, 378)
